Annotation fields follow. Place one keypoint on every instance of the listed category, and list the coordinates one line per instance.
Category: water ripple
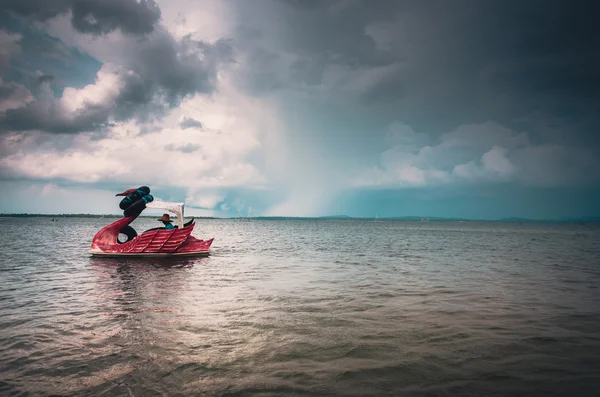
(300, 308)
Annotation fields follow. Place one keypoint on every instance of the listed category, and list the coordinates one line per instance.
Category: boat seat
(188, 223)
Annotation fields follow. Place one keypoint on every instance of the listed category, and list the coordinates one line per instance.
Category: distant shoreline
(342, 217)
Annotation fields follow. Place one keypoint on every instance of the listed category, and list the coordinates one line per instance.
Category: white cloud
(475, 153)
(469, 171)
(110, 80)
(496, 160)
(203, 200)
(239, 144)
(236, 132)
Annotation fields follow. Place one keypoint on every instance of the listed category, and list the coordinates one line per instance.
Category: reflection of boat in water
(156, 242)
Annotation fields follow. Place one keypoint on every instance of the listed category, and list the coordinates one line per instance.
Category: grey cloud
(49, 116)
(161, 72)
(8, 90)
(555, 165)
(178, 68)
(21, 142)
(189, 122)
(290, 44)
(262, 73)
(308, 71)
(222, 49)
(168, 71)
(8, 46)
(435, 65)
(93, 16)
(13, 95)
(45, 78)
(39, 53)
(99, 17)
(460, 61)
(306, 4)
(466, 66)
(186, 148)
(38, 10)
(337, 30)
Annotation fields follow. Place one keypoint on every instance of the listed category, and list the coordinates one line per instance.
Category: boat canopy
(175, 208)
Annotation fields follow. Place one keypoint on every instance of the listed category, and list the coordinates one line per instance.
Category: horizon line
(585, 218)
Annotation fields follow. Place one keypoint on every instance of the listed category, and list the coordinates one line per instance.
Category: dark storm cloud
(98, 17)
(144, 92)
(51, 117)
(544, 47)
(40, 53)
(321, 33)
(456, 62)
(8, 90)
(12, 95)
(28, 143)
(179, 68)
(38, 10)
(93, 16)
(161, 72)
(13, 90)
(166, 71)
(335, 30)
(189, 122)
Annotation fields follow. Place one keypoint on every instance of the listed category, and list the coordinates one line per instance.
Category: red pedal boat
(156, 242)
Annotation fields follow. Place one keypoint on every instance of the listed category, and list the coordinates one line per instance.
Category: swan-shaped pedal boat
(156, 242)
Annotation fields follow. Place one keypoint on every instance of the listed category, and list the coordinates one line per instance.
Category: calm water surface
(351, 308)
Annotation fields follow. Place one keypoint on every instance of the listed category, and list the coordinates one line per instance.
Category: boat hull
(157, 242)
(149, 255)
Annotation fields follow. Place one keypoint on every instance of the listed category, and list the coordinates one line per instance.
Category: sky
(458, 108)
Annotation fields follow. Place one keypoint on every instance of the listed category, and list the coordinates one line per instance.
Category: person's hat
(165, 218)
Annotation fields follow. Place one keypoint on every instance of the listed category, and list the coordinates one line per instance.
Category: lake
(304, 307)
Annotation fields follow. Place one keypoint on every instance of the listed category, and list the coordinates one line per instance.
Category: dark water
(304, 308)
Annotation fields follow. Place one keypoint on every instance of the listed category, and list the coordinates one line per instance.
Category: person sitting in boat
(166, 219)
